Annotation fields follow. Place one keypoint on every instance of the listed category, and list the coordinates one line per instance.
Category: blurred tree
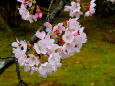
(9, 12)
(105, 8)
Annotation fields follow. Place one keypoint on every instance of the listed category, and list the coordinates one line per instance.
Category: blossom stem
(21, 82)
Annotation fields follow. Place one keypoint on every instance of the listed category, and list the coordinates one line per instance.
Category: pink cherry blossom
(40, 35)
(68, 37)
(58, 28)
(74, 9)
(48, 26)
(91, 9)
(40, 15)
(32, 60)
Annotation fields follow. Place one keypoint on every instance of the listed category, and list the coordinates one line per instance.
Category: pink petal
(75, 33)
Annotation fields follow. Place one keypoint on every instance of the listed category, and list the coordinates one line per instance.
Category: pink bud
(78, 0)
(57, 31)
(36, 15)
(40, 15)
(66, 21)
(38, 10)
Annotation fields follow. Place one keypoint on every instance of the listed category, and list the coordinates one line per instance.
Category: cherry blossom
(91, 8)
(58, 28)
(40, 35)
(48, 26)
(74, 9)
(68, 37)
(40, 47)
(45, 69)
(19, 46)
(32, 60)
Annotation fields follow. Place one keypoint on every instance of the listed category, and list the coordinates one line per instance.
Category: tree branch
(51, 2)
(43, 9)
(7, 64)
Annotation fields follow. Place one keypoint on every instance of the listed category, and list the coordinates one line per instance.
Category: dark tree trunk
(10, 13)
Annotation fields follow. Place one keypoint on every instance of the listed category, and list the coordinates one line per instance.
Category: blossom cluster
(29, 10)
(91, 9)
(74, 9)
(61, 41)
(55, 43)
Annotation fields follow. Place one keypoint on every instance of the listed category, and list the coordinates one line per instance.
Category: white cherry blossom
(40, 35)
(32, 60)
(45, 69)
(68, 37)
(48, 26)
(40, 47)
(19, 46)
(74, 9)
(58, 28)
(92, 9)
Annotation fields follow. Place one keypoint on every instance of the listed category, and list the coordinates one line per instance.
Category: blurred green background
(93, 66)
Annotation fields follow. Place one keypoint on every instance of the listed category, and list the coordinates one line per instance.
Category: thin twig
(43, 9)
(21, 82)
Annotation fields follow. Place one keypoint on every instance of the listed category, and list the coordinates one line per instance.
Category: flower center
(66, 51)
(23, 56)
(33, 58)
(75, 40)
(59, 27)
(49, 26)
(68, 37)
(77, 12)
(68, 45)
(40, 47)
(76, 6)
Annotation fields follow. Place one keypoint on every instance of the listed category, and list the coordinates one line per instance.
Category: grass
(93, 66)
